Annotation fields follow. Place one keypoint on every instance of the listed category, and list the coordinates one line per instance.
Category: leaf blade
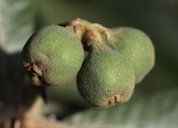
(157, 111)
(16, 23)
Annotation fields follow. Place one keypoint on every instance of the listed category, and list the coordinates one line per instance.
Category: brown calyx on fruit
(112, 100)
(35, 70)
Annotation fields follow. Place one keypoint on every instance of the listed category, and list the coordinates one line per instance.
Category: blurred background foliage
(158, 18)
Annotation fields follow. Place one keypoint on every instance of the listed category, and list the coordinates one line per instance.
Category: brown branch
(41, 122)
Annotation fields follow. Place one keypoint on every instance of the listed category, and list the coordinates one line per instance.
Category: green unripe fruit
(105, 79)
(137, 47)
(52, 56)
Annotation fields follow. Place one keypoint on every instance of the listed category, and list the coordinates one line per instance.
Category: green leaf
(157, 111)
(16, 23)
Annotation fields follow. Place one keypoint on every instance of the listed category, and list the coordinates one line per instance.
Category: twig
(34, 119)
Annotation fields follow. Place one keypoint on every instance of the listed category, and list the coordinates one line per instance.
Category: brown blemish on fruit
(111, 101)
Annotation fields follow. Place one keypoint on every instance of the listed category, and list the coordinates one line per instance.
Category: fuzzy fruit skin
(137, 47)
(52, 56)
(104, 77)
